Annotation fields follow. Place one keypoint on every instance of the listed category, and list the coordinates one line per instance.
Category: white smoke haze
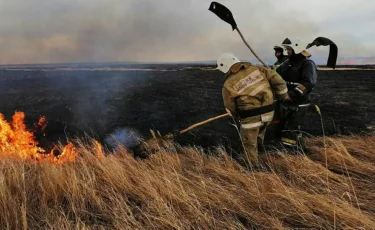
(123, 136)
(53, 31)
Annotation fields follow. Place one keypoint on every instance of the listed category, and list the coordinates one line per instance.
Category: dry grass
(338, 69)
(330, 188)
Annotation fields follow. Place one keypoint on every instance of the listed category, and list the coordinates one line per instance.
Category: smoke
(50, 31)
(99, 99)
(123, 136)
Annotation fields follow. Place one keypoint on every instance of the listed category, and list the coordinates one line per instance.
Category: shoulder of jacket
(240, 72)
(235, 68)
(310, 62)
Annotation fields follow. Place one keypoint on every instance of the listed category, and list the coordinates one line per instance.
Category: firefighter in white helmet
(300, 73)
(248, 93)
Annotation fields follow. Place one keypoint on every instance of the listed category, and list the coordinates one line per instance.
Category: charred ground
(167, 98)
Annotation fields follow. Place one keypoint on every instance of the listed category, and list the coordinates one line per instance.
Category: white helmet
(296, 45)
(225, 61)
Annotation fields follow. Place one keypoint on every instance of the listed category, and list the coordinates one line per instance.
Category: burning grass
(333, 186)
(18, 142)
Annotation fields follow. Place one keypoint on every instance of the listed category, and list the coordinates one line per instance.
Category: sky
(60, 31)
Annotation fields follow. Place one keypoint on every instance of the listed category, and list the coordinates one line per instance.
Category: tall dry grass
(331, 187)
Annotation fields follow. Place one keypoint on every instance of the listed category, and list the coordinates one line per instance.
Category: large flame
(17, 142)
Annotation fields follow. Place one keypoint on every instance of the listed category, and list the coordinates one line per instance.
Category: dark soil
(94, 103)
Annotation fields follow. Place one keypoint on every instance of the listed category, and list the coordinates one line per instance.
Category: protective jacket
(300, 73)
(248, 92)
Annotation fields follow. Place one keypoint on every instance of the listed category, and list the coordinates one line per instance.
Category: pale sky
(53, 31)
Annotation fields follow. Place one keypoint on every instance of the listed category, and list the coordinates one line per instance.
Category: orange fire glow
(100, 153)
(17, 142)
(42, 124)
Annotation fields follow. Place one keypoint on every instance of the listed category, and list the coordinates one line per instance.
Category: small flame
(69, 154)
(42, 124)
(17, 141)
(100, 153)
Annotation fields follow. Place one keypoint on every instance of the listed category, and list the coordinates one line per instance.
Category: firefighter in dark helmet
(279, 54)
(300, 73)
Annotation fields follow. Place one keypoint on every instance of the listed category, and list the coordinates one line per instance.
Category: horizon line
(150, 62)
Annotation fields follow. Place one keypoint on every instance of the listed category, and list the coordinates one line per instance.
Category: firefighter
(300, 73)
(281, 58)
(248, 93)
(279, 54)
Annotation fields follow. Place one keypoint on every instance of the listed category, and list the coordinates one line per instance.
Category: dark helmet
(278, 48)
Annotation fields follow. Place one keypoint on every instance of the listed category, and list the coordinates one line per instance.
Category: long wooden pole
(248, 46)
(204, 122)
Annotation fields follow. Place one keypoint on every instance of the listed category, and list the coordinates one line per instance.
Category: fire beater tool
(226, 15)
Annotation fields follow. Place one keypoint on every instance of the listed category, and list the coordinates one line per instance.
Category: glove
(293, 95)
(286, 97)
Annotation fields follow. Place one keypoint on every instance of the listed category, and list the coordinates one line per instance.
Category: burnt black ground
(97, 102)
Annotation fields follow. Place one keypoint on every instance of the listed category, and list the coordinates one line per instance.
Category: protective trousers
(252, 136)
(290, 124)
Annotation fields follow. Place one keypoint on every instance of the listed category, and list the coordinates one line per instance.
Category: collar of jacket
(237, 67)
(282, 58)
(297, 58)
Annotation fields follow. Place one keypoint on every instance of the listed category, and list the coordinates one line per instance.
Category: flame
(100, 153)
(42, 124)
(69, 154)
(17, 142)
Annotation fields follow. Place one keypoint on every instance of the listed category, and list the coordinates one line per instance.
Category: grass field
(330, 187)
